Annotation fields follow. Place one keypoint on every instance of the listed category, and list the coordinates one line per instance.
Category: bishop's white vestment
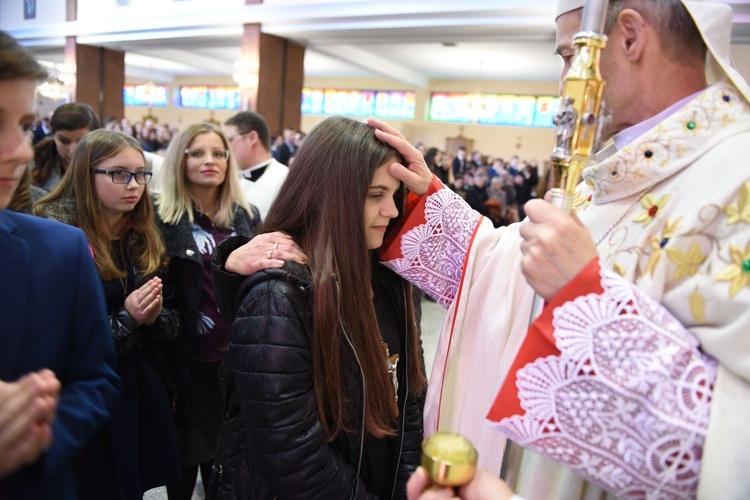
(670, 214)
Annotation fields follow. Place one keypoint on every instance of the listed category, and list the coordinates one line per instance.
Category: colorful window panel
(359, 103)
(210, 97)
(145, 95)
(493, 109)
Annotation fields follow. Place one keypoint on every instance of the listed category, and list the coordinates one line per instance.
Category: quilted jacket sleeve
(270, 357)
(226, 284)
(124, 330)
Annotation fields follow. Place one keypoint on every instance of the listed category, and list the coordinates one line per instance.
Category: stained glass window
(210, 97)
(392, 104)
(493, 109)
(145, 95)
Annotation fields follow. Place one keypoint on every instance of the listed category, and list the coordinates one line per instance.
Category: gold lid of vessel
(450, 459)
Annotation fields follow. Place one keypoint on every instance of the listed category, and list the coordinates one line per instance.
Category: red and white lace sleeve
(430, 245)
(622, 396)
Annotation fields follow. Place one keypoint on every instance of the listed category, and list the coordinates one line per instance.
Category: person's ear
(630, 34)
(252, 136)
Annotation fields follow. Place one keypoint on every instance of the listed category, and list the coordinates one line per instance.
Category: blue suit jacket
(52, 315)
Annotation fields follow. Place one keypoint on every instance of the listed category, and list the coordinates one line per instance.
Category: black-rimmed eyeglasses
(199, 154)
(124, 177)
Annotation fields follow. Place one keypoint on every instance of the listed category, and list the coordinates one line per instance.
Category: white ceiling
(411, 41)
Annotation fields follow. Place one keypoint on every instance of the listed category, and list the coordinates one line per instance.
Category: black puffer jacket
(273, 444)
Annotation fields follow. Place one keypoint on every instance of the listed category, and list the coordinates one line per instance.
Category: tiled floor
(433, 316)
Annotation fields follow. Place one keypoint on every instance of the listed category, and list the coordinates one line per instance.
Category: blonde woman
(199, 205)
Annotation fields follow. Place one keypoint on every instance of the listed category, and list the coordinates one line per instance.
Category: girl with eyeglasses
(199, 205)
(104, 193)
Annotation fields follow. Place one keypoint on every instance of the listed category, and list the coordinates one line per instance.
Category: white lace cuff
(433, 252)
(626, 402)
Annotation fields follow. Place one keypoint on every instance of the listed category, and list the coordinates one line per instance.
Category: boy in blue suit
(57, 377)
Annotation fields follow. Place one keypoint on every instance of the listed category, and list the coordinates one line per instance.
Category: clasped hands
(27, 411)
(144, 303)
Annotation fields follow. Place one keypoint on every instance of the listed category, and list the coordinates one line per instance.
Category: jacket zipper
(364, 400)
(406, 392)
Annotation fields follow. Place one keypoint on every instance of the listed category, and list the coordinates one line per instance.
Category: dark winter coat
(137, 449)
(273, 443)
(124, 330)
(186, 272)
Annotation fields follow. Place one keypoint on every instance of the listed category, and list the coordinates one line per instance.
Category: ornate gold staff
(579, 118)
(579, 122)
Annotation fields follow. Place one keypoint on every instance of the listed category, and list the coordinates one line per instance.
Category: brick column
(250, 60)
(280, 82)
(100, 76)
(280, 70)
(100, 73)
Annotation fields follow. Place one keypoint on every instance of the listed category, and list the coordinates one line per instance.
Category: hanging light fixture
(150, 93)
(212, 119)
(246, 74)
(52, 88)
(57, 86)
(476, 99)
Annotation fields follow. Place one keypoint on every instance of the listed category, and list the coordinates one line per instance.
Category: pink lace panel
(434, 252)
(626, 403)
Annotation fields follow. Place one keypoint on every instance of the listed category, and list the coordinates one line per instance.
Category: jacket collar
(7, 226)
(178, 238)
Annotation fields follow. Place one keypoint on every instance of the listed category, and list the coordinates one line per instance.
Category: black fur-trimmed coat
(186, 273)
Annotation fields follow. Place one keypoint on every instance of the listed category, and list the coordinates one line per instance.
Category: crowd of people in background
(495, 187)
(155, 137)
(492, 186)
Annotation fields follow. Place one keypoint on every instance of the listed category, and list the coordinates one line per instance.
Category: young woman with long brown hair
(325, 359)
(104, 193)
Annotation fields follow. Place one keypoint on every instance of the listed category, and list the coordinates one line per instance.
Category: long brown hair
(77, 191)
(321, 205)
